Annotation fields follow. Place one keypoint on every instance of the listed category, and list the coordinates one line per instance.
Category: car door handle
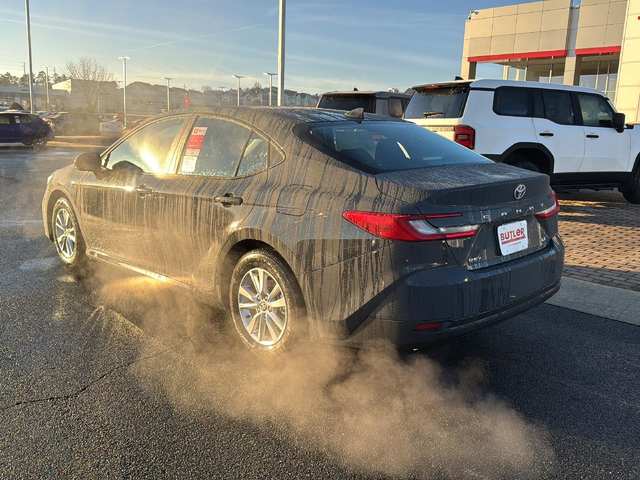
(143, 190)
(228, 199)
(593, 135)
(546, 134)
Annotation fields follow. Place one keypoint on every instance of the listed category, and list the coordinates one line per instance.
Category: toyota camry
(341, 226)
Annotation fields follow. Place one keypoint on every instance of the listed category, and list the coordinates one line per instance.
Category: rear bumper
(465, 301)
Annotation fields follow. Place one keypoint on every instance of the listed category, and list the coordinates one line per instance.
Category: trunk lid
(485, 195)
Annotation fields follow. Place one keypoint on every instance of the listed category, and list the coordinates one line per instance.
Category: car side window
(596, 112)
(558, 107)
(395, 107)
(255, 156)
(148, 148)
(5, 120)
(25, 119)
(214, 148)
(512, 102)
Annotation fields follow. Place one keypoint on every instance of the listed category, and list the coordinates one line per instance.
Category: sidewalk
(601, 231)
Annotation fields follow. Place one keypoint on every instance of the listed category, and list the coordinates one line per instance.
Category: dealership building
(591, 43)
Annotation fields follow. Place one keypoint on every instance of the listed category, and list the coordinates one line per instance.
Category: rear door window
(558, 107)
(349, 102)
(214, 148)
(438, 102)
(596, 112)
(255, 156)
(5, 120)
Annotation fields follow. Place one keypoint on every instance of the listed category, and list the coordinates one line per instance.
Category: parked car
(74, 123)
(381, 103)
(573, 134)
(27, 128)
(355, 229)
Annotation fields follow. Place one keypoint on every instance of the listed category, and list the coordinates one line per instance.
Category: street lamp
(270, 84)
(26, 4)
(238, 77)
(168, 98)
(46, 82)
(124, 88)
(281, 44)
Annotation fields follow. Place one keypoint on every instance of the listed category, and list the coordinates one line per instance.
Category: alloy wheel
(65, 234)
(262, 306)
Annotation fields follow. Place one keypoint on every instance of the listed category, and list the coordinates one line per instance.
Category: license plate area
(513, 237)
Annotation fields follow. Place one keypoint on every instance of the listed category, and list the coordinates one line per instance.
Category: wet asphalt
(74, 404)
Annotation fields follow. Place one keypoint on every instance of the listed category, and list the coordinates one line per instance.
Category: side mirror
(89, 162)
(619, 122)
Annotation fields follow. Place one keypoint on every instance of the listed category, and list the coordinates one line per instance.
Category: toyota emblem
(520, 191)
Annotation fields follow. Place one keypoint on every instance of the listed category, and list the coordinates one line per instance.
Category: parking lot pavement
(602, 233)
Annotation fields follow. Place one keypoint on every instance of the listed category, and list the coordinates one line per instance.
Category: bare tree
(92, 79)
(206, 89)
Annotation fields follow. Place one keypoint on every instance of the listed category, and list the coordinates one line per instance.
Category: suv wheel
(632, 195)
(526, 165)
(66, 235)
(266, 302)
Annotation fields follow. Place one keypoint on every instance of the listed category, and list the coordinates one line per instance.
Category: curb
(598, 300)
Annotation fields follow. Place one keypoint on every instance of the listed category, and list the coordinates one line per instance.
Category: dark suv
(27, 128)
(381, 103)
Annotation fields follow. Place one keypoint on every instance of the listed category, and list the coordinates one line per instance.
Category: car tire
(632, 194)
(38, 140)
(269, 318)
(67, 236)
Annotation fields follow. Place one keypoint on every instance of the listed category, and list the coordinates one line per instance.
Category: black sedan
(344, 226)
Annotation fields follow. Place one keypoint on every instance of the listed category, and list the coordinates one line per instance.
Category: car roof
(277, 122)
(381, 94)
(490, 84)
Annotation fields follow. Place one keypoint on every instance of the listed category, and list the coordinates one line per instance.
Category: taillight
(549, 212)
(407, 228)
(465, 136)
(427, 326)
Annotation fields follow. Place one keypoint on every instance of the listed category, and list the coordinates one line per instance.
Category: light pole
(238, 77)
(270, 84)
(46, 82)
(26, 3)
(168, 98)
(281, 44)
(124, 88)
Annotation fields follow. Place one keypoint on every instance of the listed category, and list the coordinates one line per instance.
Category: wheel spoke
(252, 324)
(71, 237)
(276, 320)
(60, 238)
(256, 281)
(274, 337)
(260, 329)
(247, 293)
(65, 215)
(280, 303)
(58, 224)
(276, 290)
(250, 305)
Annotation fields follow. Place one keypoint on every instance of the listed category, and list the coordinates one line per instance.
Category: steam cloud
(374, 411)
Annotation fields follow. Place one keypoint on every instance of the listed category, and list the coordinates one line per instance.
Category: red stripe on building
(513, 56)
(597, 51)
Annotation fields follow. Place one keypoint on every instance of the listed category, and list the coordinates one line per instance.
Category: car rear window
(380, 147)
(437, 102)
(348, 102)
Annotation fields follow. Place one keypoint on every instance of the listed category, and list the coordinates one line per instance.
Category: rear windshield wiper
(432, 114)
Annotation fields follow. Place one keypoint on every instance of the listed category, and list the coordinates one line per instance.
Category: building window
(600, 75)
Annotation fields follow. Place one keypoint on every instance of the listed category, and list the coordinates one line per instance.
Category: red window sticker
(195, 141)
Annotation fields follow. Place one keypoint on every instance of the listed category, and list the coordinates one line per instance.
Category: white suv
(572, 134)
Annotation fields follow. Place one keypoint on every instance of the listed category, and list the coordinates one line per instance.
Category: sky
(331, 45)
